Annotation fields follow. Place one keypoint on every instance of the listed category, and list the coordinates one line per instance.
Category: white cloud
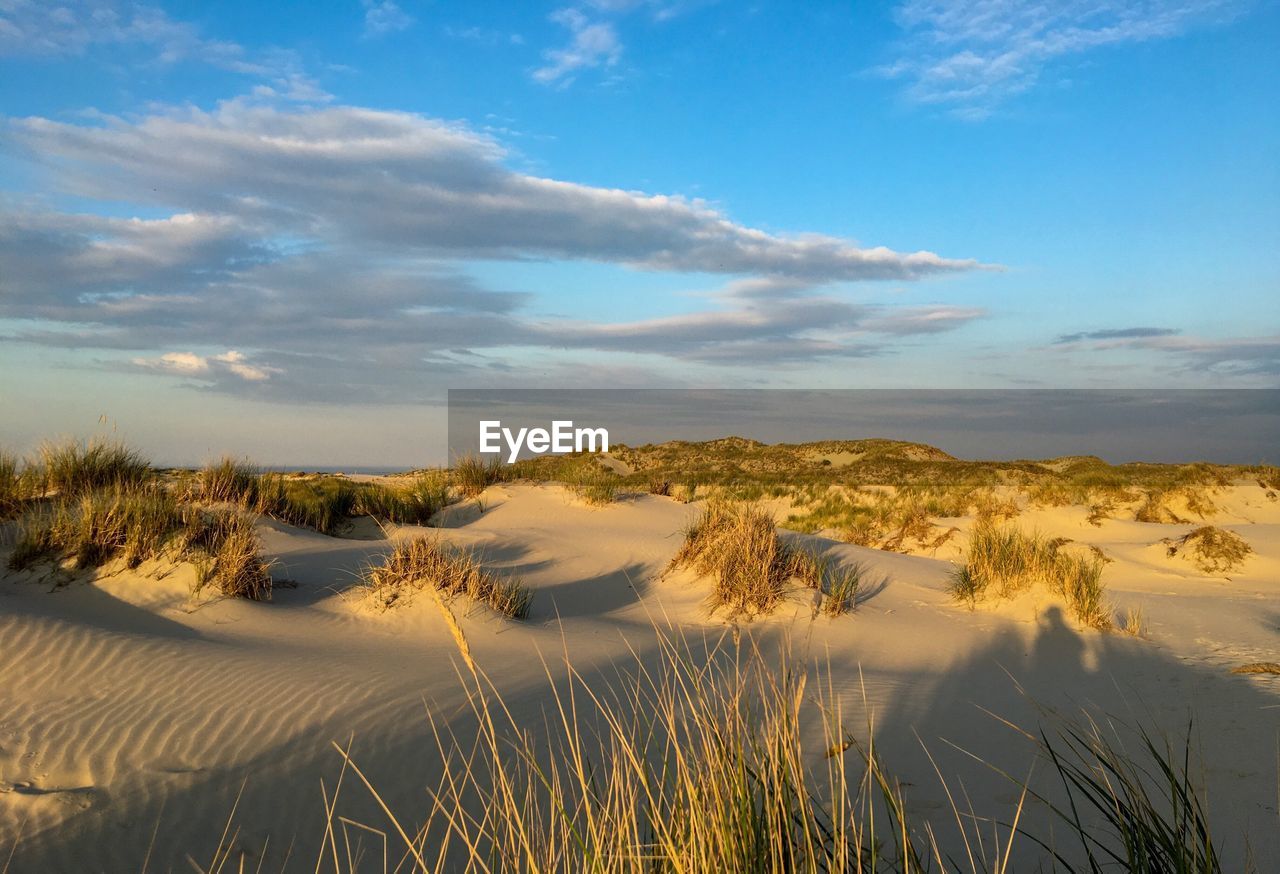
(592, 44)
(69, 28)
(382, 17)
(410, 184)
(922, 319)
(206, 368)
(972, 56)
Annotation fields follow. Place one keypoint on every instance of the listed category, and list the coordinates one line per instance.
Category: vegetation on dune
(19, 485)
(228, 481)
(325, 504)
(72, 467)
(896, 519)
(750, 566)
(141, 523)
(733, 760)
(593, 484)
(737, 546)
(1213, 550)
(425, 562)
(1004, 561)
(842, 588)
(473, 473)
(226, 552)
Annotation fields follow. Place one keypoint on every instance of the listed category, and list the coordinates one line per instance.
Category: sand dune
(132, 714)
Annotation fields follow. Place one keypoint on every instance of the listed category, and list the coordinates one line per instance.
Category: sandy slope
(129, 712)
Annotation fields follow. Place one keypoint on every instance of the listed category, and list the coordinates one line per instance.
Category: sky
(285, 230)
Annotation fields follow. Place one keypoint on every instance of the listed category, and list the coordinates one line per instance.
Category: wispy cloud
(1115, 334)
(382, 17)
(1223, 357)
(593, 35)
(970, 57)
(211, 368)
(35, 28)
(1244, 359)
(591, 44)
(484, 36)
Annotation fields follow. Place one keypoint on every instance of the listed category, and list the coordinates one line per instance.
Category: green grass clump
(1003, 561)
(1213, 550)
(422, 497)
(141, 524)
(426, 562)
(325, 504)
(592, 483)
(225, 550)
(842, 590)
(1149, 814)
(474, 473)
(19, 485)
(95, 527)
(737, 545)
(228, 481)
(411, 503)
(72, 467)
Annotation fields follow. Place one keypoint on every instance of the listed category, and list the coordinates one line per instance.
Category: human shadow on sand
(1034, 677)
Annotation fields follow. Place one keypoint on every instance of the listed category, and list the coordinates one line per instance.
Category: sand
(132, 718)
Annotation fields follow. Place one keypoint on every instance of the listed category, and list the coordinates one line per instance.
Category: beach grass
(135, 524)
(1213, 550)
(225, 549)
(72, 467)
(731, 758)
(424, 562)
(19, 485)
(737, 545)
(1002, 561)
(473, 473)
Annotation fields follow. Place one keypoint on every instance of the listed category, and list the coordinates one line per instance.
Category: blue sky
(286, 229)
